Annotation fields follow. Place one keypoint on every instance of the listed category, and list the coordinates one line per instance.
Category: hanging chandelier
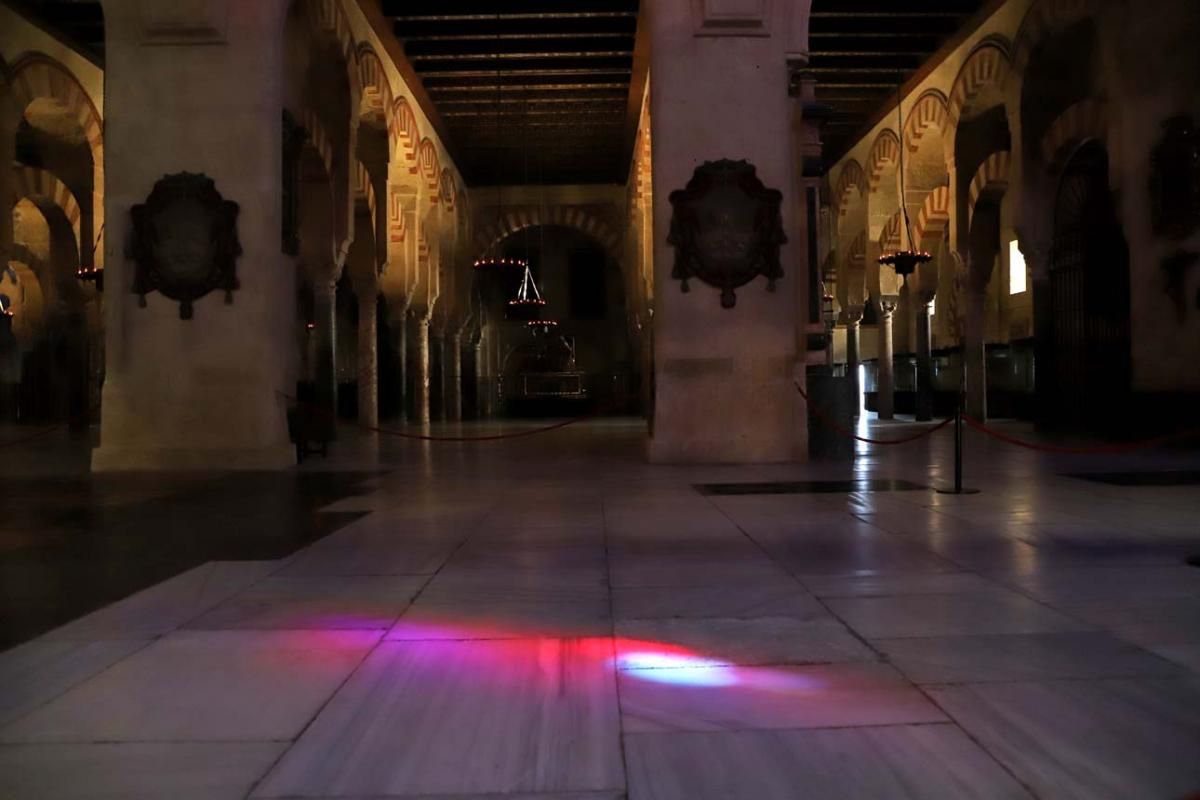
(904, 261)
(528, 303)
(93, 275)
(542, 326)
(492, 262)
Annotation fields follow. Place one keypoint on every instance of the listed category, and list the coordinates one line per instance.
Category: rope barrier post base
(958, 446)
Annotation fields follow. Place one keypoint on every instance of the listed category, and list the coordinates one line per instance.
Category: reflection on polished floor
(552, 618)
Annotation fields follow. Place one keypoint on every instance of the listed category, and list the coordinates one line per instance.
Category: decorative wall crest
(185, 241)
(726, 228)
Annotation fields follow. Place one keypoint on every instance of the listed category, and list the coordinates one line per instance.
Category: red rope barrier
(838, 428)
(422, 437)
(1127, 447)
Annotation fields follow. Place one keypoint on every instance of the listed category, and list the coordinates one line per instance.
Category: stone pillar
(454, 379)
(398, 327)
(854, 317)
(420, 370)
(437, 375)
(975, 352)
(924, 310)
(368, 359)
(482, 389)
(725, 377)
(203, 393)
(886, 384)
(325, 382)
(9, 120)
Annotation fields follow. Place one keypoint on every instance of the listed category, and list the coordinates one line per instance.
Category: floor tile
(749, 642)
(948, 615)
(534, 715)
(895, 762)
(694, 696)
(181, 771)
(203, 686)
(167, 606)
(501, 618)
(1080, 740)
(778, 598)
(303, 602)
(669, 571)
(973, 659)
(368, 553)
(38, 671)
(892, 584)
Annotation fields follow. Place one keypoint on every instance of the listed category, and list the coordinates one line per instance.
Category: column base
(137, 459)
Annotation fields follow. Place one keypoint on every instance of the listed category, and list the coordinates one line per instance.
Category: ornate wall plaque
(1175, 180)
(726, 228)
(185, 241)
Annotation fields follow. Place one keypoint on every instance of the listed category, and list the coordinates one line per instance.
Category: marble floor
(552, 618)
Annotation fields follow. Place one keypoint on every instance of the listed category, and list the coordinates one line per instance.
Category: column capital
(887, 305)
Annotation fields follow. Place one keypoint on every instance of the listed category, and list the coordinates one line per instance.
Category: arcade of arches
(627, 465)
(1019, 141)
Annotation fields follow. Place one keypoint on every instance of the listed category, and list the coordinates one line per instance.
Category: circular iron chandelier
(904, 261)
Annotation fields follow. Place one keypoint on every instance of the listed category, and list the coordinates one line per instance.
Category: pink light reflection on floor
(650, 661)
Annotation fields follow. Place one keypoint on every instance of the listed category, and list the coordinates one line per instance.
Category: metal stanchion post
(958, 441)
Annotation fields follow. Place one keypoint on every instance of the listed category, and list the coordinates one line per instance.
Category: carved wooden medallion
(185, 241)
(726, 228)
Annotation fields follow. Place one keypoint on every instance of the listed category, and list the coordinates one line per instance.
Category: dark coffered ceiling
(860, 51)
(79, 23)
(527, 90)
(539, 90)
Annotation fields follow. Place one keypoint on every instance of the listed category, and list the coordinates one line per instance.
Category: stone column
(482, 389)
(725, 377)
(854, 317)
(203, 393)
(924, 310)
(9, 120)
(325, 382)
(437, 375)
(368, 359)
(398, 329)
(454, 369)
(420, 370)
(975, 351)
(886, 384)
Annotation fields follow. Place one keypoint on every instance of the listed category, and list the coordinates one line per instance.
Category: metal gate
(1088, 375)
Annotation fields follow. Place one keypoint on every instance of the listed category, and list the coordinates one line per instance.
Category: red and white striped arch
(1043, 18)
(44, 188)
(577, 217)
(364, 190)
(928, 113)
(884, 155)
(985, 66)
(889, 237)
(448, 189)
(933, 218)
(404, 132)
(429, 167)
(37, 76)
(318, 139)
(992, 176)
(849, 179)
(1087, 119)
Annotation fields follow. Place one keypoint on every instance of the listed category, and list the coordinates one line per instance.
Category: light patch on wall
(1016, 269)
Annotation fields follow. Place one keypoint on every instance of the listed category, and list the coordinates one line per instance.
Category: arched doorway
(586, 362)
(1085, 372)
